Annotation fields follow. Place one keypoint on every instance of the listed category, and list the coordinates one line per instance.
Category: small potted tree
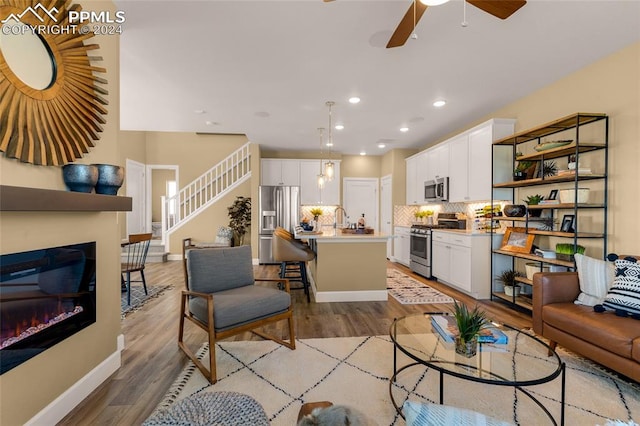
(240, 218)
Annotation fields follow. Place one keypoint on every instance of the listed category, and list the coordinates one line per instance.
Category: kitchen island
(347, 267)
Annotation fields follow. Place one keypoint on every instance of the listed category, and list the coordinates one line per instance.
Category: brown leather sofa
(605, 338)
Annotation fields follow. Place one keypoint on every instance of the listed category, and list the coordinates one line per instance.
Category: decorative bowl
(110, 179)
(568, 195)
(80, 177)
(514, 210)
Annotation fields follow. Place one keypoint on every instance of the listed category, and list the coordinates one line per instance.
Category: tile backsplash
(404, 215)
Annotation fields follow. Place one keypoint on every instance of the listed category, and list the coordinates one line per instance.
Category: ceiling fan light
(433, 2)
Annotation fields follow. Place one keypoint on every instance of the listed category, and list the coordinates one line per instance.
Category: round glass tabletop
(523, 361)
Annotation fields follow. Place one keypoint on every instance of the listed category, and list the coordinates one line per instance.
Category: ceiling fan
(499, 8)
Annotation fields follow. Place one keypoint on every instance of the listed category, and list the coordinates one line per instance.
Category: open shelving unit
(588, 135)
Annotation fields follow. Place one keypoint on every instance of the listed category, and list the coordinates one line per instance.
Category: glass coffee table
(523, 361)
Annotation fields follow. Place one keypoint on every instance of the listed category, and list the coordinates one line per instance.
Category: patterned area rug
(138, 298)
(355, 371)
(409, 291)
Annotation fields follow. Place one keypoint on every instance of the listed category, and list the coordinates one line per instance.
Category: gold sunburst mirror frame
(55, 125)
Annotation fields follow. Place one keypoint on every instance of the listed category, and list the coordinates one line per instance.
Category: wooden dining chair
(136, 251)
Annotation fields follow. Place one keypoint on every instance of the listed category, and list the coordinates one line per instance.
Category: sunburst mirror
(51, 108)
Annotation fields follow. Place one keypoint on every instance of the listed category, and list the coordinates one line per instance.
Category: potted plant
(533, 200)
(316, 212)
(508, 279)
(469, 323)
(565, 251)
(240, 218)
(524, 169)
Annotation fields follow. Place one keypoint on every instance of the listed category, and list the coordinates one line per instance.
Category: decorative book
(446, 327)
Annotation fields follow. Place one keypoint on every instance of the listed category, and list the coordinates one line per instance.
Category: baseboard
(73, 396)
(352, 296)
(174, 257)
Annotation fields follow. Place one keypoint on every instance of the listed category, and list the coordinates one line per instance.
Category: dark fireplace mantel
(17, 198)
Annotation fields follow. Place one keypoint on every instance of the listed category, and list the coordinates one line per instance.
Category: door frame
(149, 188)
(347, 180)
(130, 164)
(387, 181)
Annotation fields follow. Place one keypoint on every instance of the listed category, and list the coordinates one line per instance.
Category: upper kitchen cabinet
(437, 162)
(279, 172)
(470, 172)
(416, 175)
(310, 194)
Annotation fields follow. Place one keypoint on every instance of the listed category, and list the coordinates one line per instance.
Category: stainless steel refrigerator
(279, 206)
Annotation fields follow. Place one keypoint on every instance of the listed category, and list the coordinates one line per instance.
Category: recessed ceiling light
(354, 100)
(199, 111)
(404, 129)
(363, 153)
(381, 145)
(433, 2)
(339, 126)
(329, 144)
(439, 103)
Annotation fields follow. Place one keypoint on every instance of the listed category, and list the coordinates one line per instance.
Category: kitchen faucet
(342, 217)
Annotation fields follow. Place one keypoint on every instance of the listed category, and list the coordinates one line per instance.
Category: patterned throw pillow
(624, 295)
(224, 236)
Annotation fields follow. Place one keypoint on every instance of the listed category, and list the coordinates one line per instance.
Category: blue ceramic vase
(80, 177)
(110, 179)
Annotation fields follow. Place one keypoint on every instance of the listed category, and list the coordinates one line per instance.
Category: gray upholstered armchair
(223, 299)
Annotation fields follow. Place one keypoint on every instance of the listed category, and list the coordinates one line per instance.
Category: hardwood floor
(151, 360)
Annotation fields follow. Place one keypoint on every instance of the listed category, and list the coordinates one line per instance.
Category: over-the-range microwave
(436, 190)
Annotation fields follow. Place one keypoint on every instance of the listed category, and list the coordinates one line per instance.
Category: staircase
(205, 190)
(157, 253)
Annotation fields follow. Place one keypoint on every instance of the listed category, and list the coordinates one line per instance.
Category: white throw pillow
(596, 276)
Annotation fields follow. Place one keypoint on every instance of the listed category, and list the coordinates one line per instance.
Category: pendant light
(321, 177)
(329, 167)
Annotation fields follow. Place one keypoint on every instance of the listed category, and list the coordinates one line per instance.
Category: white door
(360, 195)
(386, 211)
(136, 190)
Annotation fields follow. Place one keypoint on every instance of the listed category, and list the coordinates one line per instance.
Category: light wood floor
(151, 360)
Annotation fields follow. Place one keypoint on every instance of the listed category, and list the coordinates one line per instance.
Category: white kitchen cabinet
(310, 194)
(402, 245)
(279, 172)
(463, 262)
(437, 162)
(416, 175)
(459, 169)
(469, 160)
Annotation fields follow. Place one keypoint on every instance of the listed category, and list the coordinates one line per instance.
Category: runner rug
(138, 298)
(355, 371)
(409, 291)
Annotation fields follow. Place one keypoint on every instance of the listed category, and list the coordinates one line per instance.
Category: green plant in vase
(508, 279)
(470, 323)
(565, 251)
(533, 200)
(316, 212)
(524, 169)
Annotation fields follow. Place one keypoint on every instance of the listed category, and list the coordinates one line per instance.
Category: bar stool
(293, 256)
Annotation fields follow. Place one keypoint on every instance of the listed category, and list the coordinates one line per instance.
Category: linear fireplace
(46, 296)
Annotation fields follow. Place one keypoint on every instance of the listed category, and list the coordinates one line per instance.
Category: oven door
(420, 248)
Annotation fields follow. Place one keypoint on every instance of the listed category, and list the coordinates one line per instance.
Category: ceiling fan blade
(407, 25)
(499, 8)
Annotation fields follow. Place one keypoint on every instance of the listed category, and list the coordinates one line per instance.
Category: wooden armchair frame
(214, 336)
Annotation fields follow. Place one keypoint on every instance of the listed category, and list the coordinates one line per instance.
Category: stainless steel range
(420, 251)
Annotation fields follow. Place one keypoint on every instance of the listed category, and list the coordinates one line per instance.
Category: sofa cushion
(635, 352)
(596, 276)
(606, 330)
(624, 294)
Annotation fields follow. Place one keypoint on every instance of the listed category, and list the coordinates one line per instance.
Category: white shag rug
(409, 291)
(355, 371)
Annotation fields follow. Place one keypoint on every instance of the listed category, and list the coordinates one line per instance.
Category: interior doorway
(360, 195)
(162, 181)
